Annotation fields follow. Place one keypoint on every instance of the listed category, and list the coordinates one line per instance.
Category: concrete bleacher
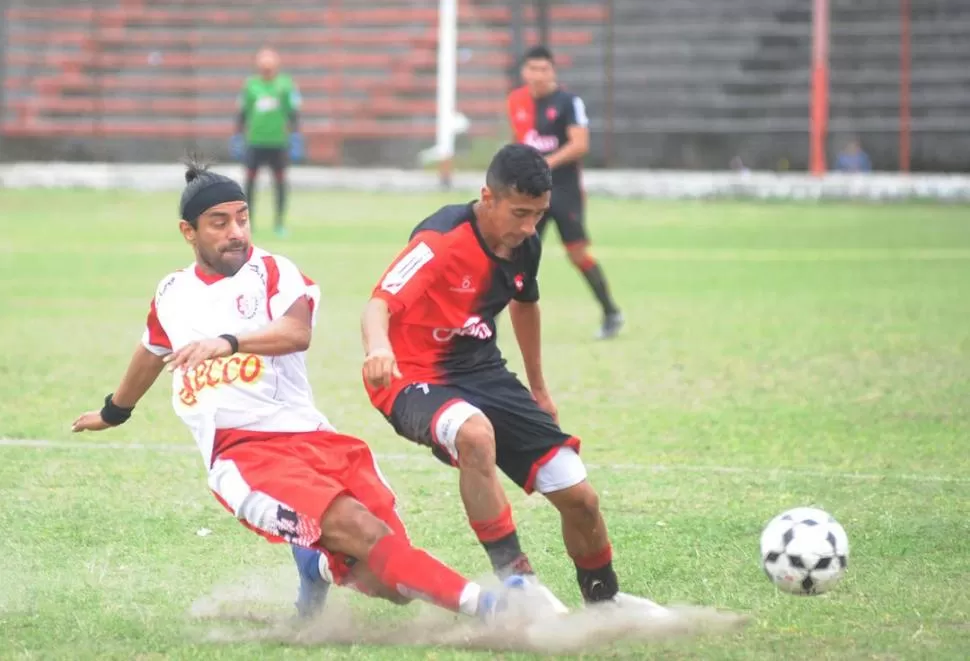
(693, 83)
(698, 82)
(865, 81)
(118, 76)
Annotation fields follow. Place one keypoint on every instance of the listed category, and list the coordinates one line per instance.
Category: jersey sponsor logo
(465, 287)
(246, 305)
(474, 327)
(215, 372)
(406, 268)
(544, 143)
(267, 104)
(519, 282)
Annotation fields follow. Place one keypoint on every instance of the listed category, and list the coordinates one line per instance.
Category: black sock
(251, 197)
(507, 556)
(280, 198)
(598, 584)
(597, 282)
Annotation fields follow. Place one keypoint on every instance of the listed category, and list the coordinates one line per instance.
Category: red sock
(494, 530)
(595, 561)
(414, 573)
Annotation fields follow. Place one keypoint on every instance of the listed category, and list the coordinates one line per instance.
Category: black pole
(609, 64)
(542, 21)
(5, 7)
(517, 46)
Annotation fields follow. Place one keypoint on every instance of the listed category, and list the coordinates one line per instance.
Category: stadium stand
(698, 82)
(171, 70)
(692, 84)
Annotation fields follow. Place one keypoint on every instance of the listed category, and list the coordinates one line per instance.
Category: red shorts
(280, 485)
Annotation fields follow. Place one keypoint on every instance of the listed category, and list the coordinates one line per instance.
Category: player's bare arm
(526, 323)
(574, 150)
(289, 334)
(143, 370)
(380, 365)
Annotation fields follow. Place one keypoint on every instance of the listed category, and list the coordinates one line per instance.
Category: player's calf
(584, 261)
(586, 538)
(486, 504)
(349, 528)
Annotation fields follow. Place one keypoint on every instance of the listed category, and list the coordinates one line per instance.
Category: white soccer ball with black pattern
(804, 551)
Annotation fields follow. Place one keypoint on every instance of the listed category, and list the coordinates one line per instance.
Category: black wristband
(233, 342)
(113, 414)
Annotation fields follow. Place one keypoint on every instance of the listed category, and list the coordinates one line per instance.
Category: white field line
(417, 457)
(618, 252)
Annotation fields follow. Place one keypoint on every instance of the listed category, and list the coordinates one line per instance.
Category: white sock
(468, 602)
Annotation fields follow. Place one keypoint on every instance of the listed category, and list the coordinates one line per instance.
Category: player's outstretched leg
(349, 528)
(486, 504)
(587, 541)
(581, 258)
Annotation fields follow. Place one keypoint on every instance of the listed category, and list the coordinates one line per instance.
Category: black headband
(219, 191)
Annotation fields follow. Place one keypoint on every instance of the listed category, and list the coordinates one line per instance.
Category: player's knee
(580, 256)
(580, 504)
(476, 443)
(350, 528)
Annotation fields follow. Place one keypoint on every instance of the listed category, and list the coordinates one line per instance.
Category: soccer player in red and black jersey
(547, 117)
(434, 369)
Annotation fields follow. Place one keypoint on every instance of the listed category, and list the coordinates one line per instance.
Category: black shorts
(275, 157)
(568, 209)
(525, 435)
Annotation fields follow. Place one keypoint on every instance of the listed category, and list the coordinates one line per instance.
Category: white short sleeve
(290, 286)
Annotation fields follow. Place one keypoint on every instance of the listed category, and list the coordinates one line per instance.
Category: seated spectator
(853, 159)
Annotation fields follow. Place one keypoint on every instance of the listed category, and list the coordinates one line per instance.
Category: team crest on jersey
(519, 282)
(247, 304)
(551, 114)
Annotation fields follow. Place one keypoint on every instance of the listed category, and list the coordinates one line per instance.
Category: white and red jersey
(225, 396)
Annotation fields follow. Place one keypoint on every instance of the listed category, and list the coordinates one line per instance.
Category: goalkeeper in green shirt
(267, 128)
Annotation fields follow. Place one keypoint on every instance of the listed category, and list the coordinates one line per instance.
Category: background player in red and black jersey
(434, 369)
(554, 121)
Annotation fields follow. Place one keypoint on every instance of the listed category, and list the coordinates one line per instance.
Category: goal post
(443, 151)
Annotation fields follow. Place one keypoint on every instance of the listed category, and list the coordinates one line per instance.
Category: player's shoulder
(565, 95)
(170, 285)
(519, 94)
(444, 221)
(271, 263)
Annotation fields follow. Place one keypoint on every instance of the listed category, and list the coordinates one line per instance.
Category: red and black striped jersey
(544, 124)
(444, 291)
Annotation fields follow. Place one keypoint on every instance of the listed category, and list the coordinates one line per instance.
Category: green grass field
(775, 355)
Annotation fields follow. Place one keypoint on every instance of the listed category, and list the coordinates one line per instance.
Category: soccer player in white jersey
(232, 328)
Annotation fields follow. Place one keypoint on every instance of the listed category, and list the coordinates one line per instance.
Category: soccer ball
(804, 551)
